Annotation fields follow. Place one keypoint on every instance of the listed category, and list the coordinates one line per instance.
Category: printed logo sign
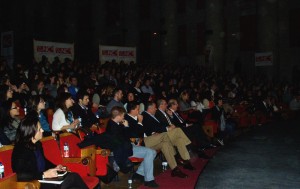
(53, 49)
(109, 53)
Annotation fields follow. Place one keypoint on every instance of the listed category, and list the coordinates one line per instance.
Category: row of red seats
(81, 161)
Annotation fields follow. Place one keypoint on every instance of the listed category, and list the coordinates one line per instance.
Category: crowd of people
(165, 105)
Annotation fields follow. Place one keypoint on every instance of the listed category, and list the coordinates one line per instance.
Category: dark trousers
(196, 134)
(72, 181)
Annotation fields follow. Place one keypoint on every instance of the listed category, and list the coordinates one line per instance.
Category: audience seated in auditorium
(28, 159)
(116, 101)
(63, 119)
(37, 103)
(10, 119)
(131, 98)
(121, 132)
(192, 130)
(82, 110)
(161, 138)
(226, 127)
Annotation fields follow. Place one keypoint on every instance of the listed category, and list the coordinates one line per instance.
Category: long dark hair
(61, 103)
(27, 130)
(6, 119)
(3, 92)
(34, 102)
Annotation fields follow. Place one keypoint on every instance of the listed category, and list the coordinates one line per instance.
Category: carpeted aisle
(165, 180)
(265, 157)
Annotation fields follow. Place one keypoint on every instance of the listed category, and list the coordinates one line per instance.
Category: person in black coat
(155, 131)
(81, 109)
(28, 159)
(120, 130)
(192, 130)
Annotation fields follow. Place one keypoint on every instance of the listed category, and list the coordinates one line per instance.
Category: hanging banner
(7, 47)
(264, 59)
(117, 53)
(52, 50)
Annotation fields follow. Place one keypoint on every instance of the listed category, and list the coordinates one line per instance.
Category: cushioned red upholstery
(213, 124)
(53, 154)
(91, 182)
(101, 168)
(136, 159)
(72, 140)
(5, 158)
(101, 165)
(52, 151)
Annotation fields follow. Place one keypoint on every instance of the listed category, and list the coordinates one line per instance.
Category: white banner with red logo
(264, 59)
(52, 49)
(109, 53)
(7, 47)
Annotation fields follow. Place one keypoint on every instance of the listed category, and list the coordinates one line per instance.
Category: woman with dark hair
(28, 159)
(63, 118)
(37, 104)
(10, 119)
(63, 88)
(5, 93)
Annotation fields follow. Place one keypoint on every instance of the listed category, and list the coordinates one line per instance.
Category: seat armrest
(208, 131)
(35, 184)
(72, 160)
(11, 182)
(103, 152)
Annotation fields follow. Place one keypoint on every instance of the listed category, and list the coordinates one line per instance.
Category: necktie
(168, 119)
(155, 118)
(178, 116)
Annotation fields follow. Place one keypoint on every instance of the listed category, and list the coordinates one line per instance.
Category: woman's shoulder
(58, 111)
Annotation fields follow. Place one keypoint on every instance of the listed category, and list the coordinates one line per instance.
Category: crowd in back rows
(196, 87)
(157, 97)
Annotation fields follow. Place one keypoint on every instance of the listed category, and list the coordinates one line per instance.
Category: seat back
(72, 140)
(103, 124)
(51, 150)
(50, 113)
(5, 158)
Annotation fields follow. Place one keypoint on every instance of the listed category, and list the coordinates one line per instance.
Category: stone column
(267, 34)
(130, 22)
(98, 24)
(169, 42)
(71, 20)
(214, 24)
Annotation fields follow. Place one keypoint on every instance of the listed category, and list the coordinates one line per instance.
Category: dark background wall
(170, 31)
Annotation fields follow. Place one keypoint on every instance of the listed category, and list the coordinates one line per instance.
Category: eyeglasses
(42, 101)
(14, 108)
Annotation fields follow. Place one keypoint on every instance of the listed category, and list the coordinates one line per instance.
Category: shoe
(188, 166)
(220, 141)
(202, 155)
(176, 172)
(138, 177)
(151, 184)
(179, 161)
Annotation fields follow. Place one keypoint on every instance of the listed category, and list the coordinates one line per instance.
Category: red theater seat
(81, 161)
(101, 158)
(10, 178)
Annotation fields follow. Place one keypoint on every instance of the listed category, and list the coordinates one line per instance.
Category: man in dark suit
(156, 133)
(81, 109)
(134, 120)
(192, 130)
(120, 130)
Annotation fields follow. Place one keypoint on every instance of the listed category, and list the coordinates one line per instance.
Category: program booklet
(55, 180)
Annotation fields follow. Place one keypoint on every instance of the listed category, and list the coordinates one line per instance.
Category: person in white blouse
(63, 117)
